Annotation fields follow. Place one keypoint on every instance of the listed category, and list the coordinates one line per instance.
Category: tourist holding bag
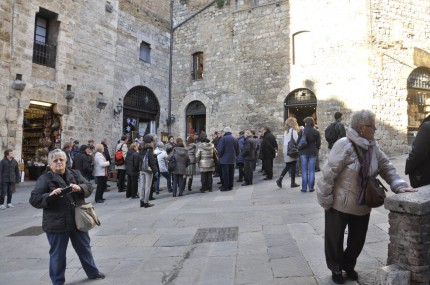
(57, 192)
(344, 191)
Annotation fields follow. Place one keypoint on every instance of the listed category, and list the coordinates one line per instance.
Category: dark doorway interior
(196, 117)
(300, 103)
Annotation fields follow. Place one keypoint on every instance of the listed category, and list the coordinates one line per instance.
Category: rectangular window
(197, 72)
(45, 38)
(145, 52)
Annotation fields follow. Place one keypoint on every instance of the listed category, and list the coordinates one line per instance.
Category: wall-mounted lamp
(170, 120)
(117, 109)
(69, 94)
(18, 84)
(101, 103)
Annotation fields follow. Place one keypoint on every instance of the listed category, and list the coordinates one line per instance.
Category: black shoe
(147, 205)
(337, 277)
(267, 178)
(121, 190)
(311, 190)
(210, 190)
(180, 195)
(174, 195)
(135, 196)
(107, 190)
(222, 189)
(98, 276)
(100, 201)
(142, 203)
(279, 183)
(108, 185)
(245, 184)
(293, 185)
(240, 180)
(219, 182)
(158, 192)
(151, 198)
(203, 191)
(352, 274)
(103, 199)
(170, 191)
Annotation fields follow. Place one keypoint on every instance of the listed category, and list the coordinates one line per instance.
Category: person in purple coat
(228, 149)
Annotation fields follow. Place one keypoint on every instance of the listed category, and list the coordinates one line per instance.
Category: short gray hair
(56, 152)
(160, 145)
(361, 117)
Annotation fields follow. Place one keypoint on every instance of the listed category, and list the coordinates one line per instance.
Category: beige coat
(339, 186)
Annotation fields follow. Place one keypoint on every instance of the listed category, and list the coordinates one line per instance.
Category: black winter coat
(58, 211)
(84, 163)
(248, 150)
(151, 159)
(418, 161)
(132, 163)
(9, 171)
(269, 146)
(313, 139)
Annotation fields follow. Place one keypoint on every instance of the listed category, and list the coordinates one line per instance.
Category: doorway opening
(418, 100)
(141, 112)
(196, 118)
(300, 103)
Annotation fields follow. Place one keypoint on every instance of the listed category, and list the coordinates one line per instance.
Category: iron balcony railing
(44, 54)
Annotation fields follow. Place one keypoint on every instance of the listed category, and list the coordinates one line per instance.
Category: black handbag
(292, 150)
(172, 163)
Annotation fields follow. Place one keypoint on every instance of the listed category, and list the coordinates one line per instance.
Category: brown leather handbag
(375, 193)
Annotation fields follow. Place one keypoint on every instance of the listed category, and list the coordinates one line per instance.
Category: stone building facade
(264, 60)
(91, 63)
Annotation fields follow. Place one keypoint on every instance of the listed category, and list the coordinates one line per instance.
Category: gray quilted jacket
(339, 186)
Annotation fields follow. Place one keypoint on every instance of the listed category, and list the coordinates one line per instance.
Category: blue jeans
(57, 253)
(308, 171)
(7, 187)
(169, 183)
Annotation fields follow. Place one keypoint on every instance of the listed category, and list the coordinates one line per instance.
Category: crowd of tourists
(353, 163)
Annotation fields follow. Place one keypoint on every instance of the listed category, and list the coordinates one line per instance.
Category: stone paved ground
(279, 239)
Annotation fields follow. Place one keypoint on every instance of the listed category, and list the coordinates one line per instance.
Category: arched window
(197, 71)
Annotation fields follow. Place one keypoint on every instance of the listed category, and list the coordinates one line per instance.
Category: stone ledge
(417, 203)
(393, 275)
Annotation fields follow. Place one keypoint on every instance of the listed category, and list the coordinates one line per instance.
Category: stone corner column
(409, 247)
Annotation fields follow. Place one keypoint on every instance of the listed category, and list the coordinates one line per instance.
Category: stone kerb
(409, 247)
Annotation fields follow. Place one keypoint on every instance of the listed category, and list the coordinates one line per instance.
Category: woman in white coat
(100, 172)
(290, 132)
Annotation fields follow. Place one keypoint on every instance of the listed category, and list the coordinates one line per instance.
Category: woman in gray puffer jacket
(340, 192)
(180, 154)
(205, 158)
(191, 169)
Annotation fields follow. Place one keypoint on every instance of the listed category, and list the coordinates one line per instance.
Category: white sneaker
(2, 207)
(10, 206)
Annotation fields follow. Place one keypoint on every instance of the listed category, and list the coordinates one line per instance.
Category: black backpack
(331, 134)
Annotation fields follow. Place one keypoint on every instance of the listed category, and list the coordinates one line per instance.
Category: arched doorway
(418, 99)
(300, 103)
(141, 112)
(196, 117)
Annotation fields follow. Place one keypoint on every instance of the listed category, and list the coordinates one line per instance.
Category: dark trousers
(131, 186)
(178, 181)
(227, 176)
(101, 187)
(207, 180)
(57, 254)
(7, 188)
(268, 167)
(335, 223)
(121, 179)
(241, 166)
(169, 182)
(249, 170)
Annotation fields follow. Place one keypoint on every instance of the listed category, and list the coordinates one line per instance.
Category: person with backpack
(120, 155)
(290, 139)
(335, 130)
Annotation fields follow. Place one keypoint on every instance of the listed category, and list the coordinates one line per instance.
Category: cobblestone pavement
(257, 234)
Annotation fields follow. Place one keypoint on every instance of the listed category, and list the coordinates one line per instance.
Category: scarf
(365, 161)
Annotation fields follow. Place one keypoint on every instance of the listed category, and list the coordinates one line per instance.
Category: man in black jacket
(9, 175)
(248, 155)
(269, 148)
(84, 162)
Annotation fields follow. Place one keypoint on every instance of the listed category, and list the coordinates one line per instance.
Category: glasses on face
(371, 127)
(58, 160)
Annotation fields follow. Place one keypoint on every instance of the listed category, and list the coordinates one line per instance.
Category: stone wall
(97, 54)
(257, 52)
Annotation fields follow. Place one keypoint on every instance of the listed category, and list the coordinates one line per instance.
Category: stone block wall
(409, 246)
(97, 54)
